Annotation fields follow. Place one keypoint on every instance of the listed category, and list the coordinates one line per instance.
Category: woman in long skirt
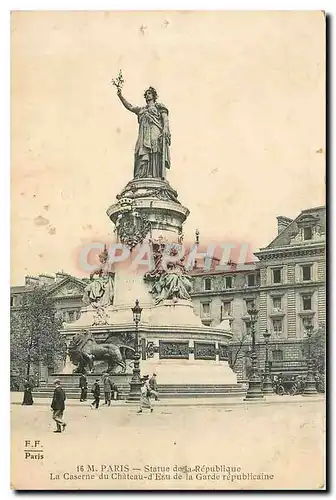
(145, 401)
(27, 395)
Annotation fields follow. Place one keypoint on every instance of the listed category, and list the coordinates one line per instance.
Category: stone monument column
(147, 210)
(147, 215)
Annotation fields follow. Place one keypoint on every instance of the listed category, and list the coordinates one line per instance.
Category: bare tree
(237, 349)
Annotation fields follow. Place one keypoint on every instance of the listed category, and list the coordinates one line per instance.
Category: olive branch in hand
(119, 81)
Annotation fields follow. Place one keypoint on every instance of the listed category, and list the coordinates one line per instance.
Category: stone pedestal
(129, 283)
(174, 342)
(189, 371)
(155, 200)
(180, 313)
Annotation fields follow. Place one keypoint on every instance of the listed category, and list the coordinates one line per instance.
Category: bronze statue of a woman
(151, 156)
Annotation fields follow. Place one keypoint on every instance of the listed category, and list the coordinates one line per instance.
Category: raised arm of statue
(133, 109)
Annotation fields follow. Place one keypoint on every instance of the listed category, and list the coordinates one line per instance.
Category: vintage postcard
(168, 234)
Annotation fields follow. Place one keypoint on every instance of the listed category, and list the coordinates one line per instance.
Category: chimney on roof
(46, 279)
(283, 222)
(60, 276)
(31, 281)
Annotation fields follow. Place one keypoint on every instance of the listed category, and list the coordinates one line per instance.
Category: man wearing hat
(96, 394)
(58, 406)
(153, 386)
(107, 388)
(83, 384)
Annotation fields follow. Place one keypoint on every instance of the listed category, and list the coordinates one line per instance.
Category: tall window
(251, 280)
(249, 303)
(307, 233)
(226, 308)
(306, 302)
(228, 281)
(277, 355)
(71, 316)
(206, 309)
(276, 275)
(306, 273)
(277, 327)
(207, 284)
(11, 301)
(277, 304)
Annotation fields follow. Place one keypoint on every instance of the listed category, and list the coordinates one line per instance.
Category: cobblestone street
(270, 446)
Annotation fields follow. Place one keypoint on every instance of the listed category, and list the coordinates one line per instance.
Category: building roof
(66, 279)
(19, 288)
(51, 287)
(233, 269)
(284, 238)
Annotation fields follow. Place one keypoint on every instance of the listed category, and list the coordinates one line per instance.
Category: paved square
(115, 448)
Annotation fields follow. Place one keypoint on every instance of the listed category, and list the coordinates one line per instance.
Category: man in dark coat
(115, 391)
(96, 394)
(58, 406)
(153, 386)
(107, 388)
(27, 395)
(83, 384)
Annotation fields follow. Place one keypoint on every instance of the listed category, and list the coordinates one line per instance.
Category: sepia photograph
(168, 250)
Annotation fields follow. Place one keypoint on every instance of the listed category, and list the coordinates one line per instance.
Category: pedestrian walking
(115, 391)
(83, 384)
(27, 395)
(58, 406)
(145, 401)
(96, 395)
(153, 386)
(107, 383)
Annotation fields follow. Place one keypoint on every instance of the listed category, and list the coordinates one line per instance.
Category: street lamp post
(267, 385)
(310, 385)
(254, 390)
(135, 384)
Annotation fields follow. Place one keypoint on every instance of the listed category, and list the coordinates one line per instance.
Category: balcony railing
(288, 365)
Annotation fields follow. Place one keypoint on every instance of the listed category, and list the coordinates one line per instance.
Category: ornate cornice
(279, 314)
(279, 290)
(289, 252)
(286, 286)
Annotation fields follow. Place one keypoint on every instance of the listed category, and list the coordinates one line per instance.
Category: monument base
(168, 312)
(187, 371)
(173, 342)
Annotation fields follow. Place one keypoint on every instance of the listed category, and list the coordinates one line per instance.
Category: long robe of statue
(151, 155)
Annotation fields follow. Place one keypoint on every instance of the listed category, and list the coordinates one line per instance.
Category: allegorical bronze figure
(151, 156)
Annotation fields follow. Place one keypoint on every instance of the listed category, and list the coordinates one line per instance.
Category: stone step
(199, 386)
(166, 391)
(160, 387)
(76, 392)
(73, 393)
(168, 395)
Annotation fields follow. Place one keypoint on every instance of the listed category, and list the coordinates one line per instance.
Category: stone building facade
(65, 289)
(286, 282)
(293, 284)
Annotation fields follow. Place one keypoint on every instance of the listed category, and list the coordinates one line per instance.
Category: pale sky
(246, 96)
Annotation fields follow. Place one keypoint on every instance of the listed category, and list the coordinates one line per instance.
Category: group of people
(148, 390)
(109, 388)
